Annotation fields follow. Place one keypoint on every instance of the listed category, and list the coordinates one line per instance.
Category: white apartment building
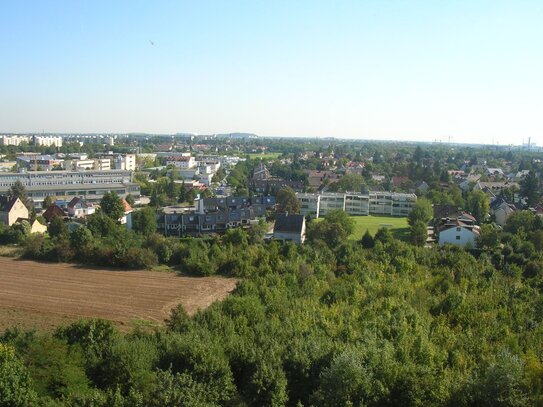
(181, 161)
(309, 204)
(14, 140)
(79, 164)
(391, 203)
(90, 185)
(331, 202)
(48, 141)
(126, 162)
(357, 204)
(102, 164)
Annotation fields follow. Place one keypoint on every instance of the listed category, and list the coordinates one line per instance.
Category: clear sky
(384, 69)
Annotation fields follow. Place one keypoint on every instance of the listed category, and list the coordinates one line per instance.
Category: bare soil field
(45, 295)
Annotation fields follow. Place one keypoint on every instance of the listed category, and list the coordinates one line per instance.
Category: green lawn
(398, 226)
(264, 156)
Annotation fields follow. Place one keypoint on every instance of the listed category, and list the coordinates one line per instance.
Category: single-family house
(496, 172)
(501, 210)
(52, 211)
(11, 210)
(79, 208)
(460, 231)
(289, 227)
(126, 219)
(421, 186)
(37, 227)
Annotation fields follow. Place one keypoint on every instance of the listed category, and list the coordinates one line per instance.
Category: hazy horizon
(416, 71)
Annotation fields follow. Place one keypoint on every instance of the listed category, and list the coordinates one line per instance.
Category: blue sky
(405, 70)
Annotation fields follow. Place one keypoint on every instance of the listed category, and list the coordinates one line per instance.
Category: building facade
(11, 210)
(48, 141)
(181, 161)
(357, 204)
(89, 185)
(14, 140)
(213, 215)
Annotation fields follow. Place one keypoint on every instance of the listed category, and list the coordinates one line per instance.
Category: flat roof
(76, 187)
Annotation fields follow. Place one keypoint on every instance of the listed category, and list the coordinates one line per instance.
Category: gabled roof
(73, 202)
(472, 228)
(445, 211)
(496, 203)
(52, 211)
(447, 224)
(76, 200)
(7, 202)
(126, 206)
(289, 223)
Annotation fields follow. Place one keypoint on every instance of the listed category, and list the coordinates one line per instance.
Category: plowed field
(45, 295)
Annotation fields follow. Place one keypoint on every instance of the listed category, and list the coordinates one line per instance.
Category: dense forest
(329, 323)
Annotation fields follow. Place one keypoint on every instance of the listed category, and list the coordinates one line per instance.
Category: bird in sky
(151, 42)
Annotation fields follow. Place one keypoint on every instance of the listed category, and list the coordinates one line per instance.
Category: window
(457, 237)
(458, 229)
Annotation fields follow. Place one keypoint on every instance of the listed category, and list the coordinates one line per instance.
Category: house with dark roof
(11, 210)
(52, 211)
(261, 172)
(79, 208)
(213, 215)
(501, 210)
(289, 227)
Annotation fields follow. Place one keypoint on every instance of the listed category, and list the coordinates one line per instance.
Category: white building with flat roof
(357, 204)
(125, 162)
(181, 161)
(14, 140)
(90, 185)
(48, 141)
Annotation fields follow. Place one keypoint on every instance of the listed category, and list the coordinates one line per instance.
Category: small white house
(459, 234)
(78, 208)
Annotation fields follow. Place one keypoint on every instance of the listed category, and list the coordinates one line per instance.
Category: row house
(214, 215)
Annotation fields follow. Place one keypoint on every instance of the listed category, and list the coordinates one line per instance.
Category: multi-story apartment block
(357, 204)
(181, 161)
(309, 204)
(102, 164)
(391, 203)
(330, 202)
(14, 140)
(125, 162)
(48, 141)
(90, 185)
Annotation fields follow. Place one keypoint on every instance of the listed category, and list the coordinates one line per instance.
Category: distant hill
(238, 135)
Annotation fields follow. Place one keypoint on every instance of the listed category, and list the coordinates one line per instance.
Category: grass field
(398, 226)
(264, 156)
(45, 295)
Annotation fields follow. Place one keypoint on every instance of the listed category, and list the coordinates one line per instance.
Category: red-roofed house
(127, 217)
